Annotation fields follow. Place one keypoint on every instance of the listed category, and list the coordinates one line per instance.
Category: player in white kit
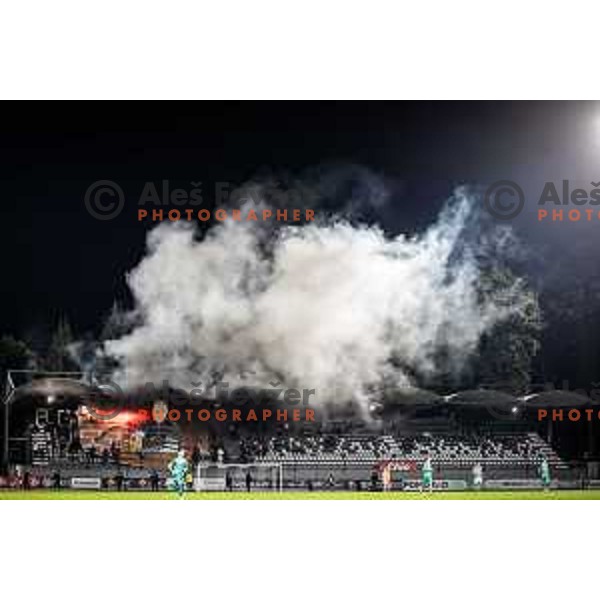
(477, 476)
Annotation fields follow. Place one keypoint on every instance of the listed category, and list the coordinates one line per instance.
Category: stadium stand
(490, 448)
(350, 459)
(53, 434)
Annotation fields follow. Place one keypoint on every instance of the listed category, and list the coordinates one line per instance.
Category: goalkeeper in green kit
(178, 468)
(427, 475)
(545, 473)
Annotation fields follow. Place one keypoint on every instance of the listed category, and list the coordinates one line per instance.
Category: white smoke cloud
(329, 306)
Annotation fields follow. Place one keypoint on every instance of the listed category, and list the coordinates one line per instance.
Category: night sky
(58, 260)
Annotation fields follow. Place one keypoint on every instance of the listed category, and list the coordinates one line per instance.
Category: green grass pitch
(472, 495)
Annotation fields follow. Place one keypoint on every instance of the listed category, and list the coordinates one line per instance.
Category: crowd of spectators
(369, 448)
